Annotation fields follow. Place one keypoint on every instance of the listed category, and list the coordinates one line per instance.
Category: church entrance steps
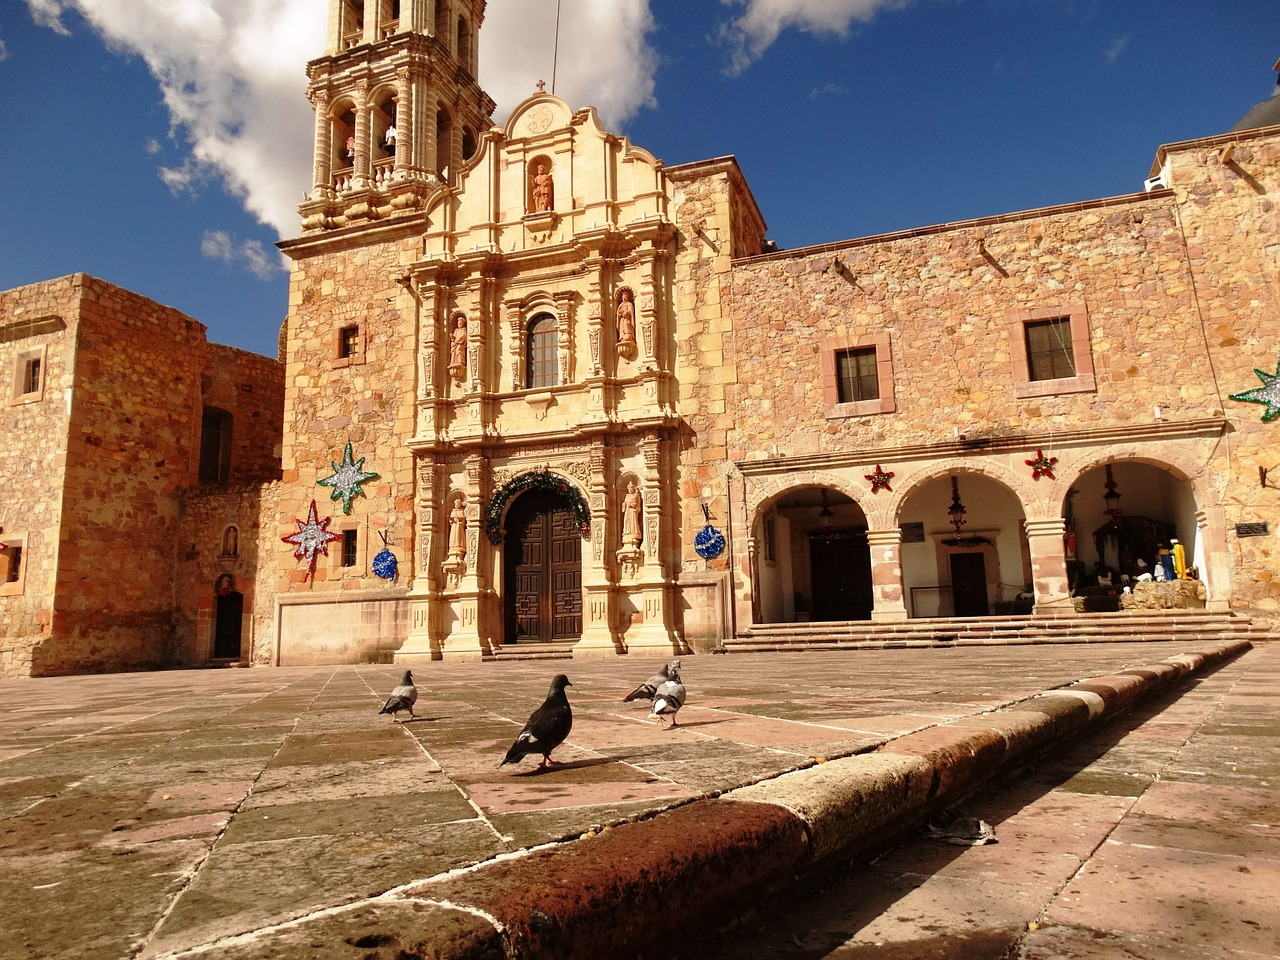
(954, 631)
(532, 651)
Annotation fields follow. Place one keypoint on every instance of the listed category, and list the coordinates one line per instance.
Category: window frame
(225, 442)
(14, 542)
(546, 327)
(356, 332)
(349, 556)
(22, 365)
(1084, 380)
(831, 349)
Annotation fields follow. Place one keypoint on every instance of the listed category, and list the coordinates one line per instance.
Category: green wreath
(541, 480)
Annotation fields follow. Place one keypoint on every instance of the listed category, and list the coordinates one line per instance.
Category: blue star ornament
(1268, 393)
(346, 479)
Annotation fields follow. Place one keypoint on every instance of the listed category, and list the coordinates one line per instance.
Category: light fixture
(956, 511)
(825, 513)
(1111, 497)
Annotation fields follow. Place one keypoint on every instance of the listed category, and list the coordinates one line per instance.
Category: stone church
(540, 391)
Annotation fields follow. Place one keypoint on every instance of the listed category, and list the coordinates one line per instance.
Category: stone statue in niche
(458, 529)
(230, 543)
(626, 318)
(458, 348)
(543, 189)
(631, 507)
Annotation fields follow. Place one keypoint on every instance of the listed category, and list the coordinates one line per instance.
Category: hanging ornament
(346, 479)
(1041, 466)
(880, 479)
(384, 562)
(311, 536)
(708, 542)
(3, 545)
(536, 480)
(1268, 393)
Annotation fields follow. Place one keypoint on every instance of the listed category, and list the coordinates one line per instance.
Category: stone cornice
(1057, 440)
(22, 329)
(409, 224)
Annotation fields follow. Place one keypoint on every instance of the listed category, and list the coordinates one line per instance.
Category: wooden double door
(542, 570)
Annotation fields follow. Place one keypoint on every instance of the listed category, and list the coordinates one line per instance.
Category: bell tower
(397, 107)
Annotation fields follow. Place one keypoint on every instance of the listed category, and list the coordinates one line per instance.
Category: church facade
(540, 389)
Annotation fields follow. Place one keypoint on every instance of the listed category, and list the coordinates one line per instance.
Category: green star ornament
(346, 479)
(1268, 393)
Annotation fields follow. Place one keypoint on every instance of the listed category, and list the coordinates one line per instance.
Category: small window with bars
(349, 342)
(1049, 353)
(11, 563)
(856, 376)
(350, 541)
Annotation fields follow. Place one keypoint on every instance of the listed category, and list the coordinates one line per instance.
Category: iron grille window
(1049, 354)
(31, 376)
(14, 556)
(349, 542)
(856, 375)
(348, 342)
(542, 365)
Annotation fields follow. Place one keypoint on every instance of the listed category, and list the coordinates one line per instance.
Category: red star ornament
(311, 536)
(1041, 466)
(880, 479)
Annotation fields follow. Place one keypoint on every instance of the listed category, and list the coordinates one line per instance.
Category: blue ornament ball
(709, 542)
(384, 564)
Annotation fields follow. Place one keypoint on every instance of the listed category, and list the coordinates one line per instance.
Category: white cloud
(251, 254)
(4, 51)
(1116, 47)
(752, 32)
(232, 76)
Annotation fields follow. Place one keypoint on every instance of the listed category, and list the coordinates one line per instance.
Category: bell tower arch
(397, 107)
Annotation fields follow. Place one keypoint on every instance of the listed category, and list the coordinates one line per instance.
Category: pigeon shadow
(422, 719)
(698, 723)
(567, 765)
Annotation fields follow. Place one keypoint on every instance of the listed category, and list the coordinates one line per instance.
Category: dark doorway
(542, 575)
(226, 626)
(840, 561)
(969, 584)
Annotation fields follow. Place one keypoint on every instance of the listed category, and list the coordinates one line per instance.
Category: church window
(12, 565)
(542, 365)
(442, 21)
(857, 376)
(215, 446)
(464, 46)
(1051, 352)
(349, 342)
(350, 542)
(29, 376)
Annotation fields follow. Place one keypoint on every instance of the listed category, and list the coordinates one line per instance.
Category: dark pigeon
(547, 726)
(647, 689)
(402, 697)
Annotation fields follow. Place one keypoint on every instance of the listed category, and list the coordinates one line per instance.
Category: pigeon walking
(547, 726)
(403, 697)
(647, 689)
(668, 699)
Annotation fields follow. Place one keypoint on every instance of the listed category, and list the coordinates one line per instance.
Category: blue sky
(165, 151)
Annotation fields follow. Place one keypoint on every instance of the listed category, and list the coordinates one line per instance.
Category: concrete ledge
(629, 890)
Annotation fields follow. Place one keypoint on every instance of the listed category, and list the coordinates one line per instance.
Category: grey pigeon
(647, 689)
(402, 697)
(668, 699)
(547, 726)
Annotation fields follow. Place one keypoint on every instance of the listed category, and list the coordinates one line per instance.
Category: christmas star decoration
(311, 536)
(346, 479)
(3, 545)
(880, 479)
(1268, 393)
(1041, 466)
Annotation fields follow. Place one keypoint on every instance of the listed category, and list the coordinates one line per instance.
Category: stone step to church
(530, 651)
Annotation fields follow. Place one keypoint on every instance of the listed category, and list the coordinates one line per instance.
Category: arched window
(444, 145)
(464, 45)
(215, 446)
(442, 22)
(541, 362)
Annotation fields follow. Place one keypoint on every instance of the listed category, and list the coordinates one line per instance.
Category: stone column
(654, 630)
(360, 165)
(422, 644)
(515, 344)
(888, 599)
(321, 165)
(423, 126)
(404, 124)
(598, 606)
(1211, 546)
(469, 631)
(646, 311)
(1049, 566)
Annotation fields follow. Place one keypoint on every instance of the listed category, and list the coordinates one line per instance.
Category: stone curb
(631, 889)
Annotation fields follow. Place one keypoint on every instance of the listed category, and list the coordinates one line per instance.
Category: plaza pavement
(273, 812)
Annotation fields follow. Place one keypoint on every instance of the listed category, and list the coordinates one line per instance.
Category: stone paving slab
(221, 811)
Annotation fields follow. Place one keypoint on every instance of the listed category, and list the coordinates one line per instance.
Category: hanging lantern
(957, 510)
(1111, 497)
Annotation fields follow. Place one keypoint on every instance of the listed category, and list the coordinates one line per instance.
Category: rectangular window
(28, 376)
(542, 359)
(13, 556)
(857, 378)
(1049, 353)
(31, 376)
(215, 446)
(12, 563)
(348, 342)
(349, 542)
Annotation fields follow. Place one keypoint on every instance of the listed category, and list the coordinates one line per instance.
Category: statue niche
(541, 187)
(625, 322)
(458, 348)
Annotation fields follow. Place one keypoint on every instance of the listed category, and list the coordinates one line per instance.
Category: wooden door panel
(544, 571)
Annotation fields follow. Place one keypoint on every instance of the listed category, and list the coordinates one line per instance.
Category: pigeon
(402, 697)
(547, 726)
(668, 699)
(647, 689)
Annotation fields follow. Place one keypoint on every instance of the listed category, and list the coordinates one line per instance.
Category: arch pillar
(888, 601)
(599, 600)
(1211, 544)
(472, 628)
(1048, 565)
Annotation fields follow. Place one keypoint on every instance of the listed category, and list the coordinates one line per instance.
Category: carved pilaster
(647, 314)
(427, 339)
(594, 319)
(321, 165)
(515, 343)
(564, 318)
(360, 175)
(404, 123)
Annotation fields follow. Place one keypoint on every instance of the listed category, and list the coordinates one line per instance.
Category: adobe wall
(36, 320)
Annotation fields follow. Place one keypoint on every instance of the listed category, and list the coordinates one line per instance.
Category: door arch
(228, 617)
(542, 569)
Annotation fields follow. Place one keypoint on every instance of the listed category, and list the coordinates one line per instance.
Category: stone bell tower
(397, 107)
